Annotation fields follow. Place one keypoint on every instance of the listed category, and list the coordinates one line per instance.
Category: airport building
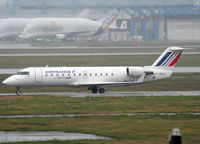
(141, 20)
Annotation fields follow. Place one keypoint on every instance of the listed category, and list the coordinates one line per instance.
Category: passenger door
(38, 75)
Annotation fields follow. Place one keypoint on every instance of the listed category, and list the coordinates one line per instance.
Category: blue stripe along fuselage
(163, 59)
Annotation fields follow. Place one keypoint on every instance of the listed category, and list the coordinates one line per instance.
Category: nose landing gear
(18, 91)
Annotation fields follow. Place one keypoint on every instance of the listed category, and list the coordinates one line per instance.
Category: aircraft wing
(72, 34)
(87, 84)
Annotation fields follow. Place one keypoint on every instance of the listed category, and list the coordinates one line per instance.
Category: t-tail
(106, 23)
(168, 58)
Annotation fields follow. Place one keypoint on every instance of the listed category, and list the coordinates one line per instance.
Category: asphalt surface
(88, 115)
(89, 54)
(176, 70)
(110, 94)
(28, 46)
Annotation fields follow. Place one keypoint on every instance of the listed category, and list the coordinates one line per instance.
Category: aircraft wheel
(101, 90)
(18, 90)
(94, 90)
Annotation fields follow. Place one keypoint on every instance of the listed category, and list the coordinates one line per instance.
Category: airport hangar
(140, 20)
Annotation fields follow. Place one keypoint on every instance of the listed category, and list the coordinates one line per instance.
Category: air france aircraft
(96, 78)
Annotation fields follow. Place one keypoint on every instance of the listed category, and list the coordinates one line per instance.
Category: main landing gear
(95, 90)
(18, 91)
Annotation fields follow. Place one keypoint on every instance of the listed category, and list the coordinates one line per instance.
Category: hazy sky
(2, 2)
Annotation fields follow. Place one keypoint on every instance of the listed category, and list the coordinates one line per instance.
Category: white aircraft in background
(67, 27)
(96, 78)
(11, 28)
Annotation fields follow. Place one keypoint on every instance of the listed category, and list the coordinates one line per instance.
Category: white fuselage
(12, 27)
(50, 27)
(84, 76)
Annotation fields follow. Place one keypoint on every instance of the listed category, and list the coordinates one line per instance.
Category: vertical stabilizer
(108, 21)
(168, 58)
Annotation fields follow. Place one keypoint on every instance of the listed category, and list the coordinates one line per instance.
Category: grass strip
(97, 105)
(143, 129)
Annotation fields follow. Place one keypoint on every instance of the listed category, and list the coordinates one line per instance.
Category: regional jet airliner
(96, 79)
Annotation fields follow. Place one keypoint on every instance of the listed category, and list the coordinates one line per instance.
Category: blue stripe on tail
(168, 59)
(163, 59)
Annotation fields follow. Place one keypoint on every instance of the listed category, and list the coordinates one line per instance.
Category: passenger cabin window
(22, 73)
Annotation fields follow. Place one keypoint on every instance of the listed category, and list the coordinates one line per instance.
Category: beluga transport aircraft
(96, 78)
(68, 27)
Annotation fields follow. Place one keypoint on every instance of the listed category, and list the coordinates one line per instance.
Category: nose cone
(6, 82)
(9, 81)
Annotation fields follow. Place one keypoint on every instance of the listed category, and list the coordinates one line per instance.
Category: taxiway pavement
(109, 94)
(88, 54)
(29, 46)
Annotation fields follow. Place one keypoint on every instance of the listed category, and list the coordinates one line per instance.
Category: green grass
(138, 60)
(125, 129)
(97, 105)
(90, 50)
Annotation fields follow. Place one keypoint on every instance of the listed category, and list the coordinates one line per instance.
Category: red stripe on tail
(175, 60)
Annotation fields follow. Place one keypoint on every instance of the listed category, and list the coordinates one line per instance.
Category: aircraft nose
(8, 81)
(5, 82)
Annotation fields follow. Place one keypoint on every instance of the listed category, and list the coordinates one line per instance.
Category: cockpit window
(22, 73)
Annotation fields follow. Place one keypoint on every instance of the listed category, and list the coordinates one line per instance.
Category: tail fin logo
(108, 21)
(169, 59)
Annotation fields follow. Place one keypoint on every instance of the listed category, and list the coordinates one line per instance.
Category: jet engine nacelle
(134, 71)
(60, 36)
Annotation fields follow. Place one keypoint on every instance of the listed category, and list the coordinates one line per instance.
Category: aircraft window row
(22, 73)
(101, 74)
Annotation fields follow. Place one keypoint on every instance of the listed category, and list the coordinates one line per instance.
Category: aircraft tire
(94, 90)
(18, 91)
(101, 90)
